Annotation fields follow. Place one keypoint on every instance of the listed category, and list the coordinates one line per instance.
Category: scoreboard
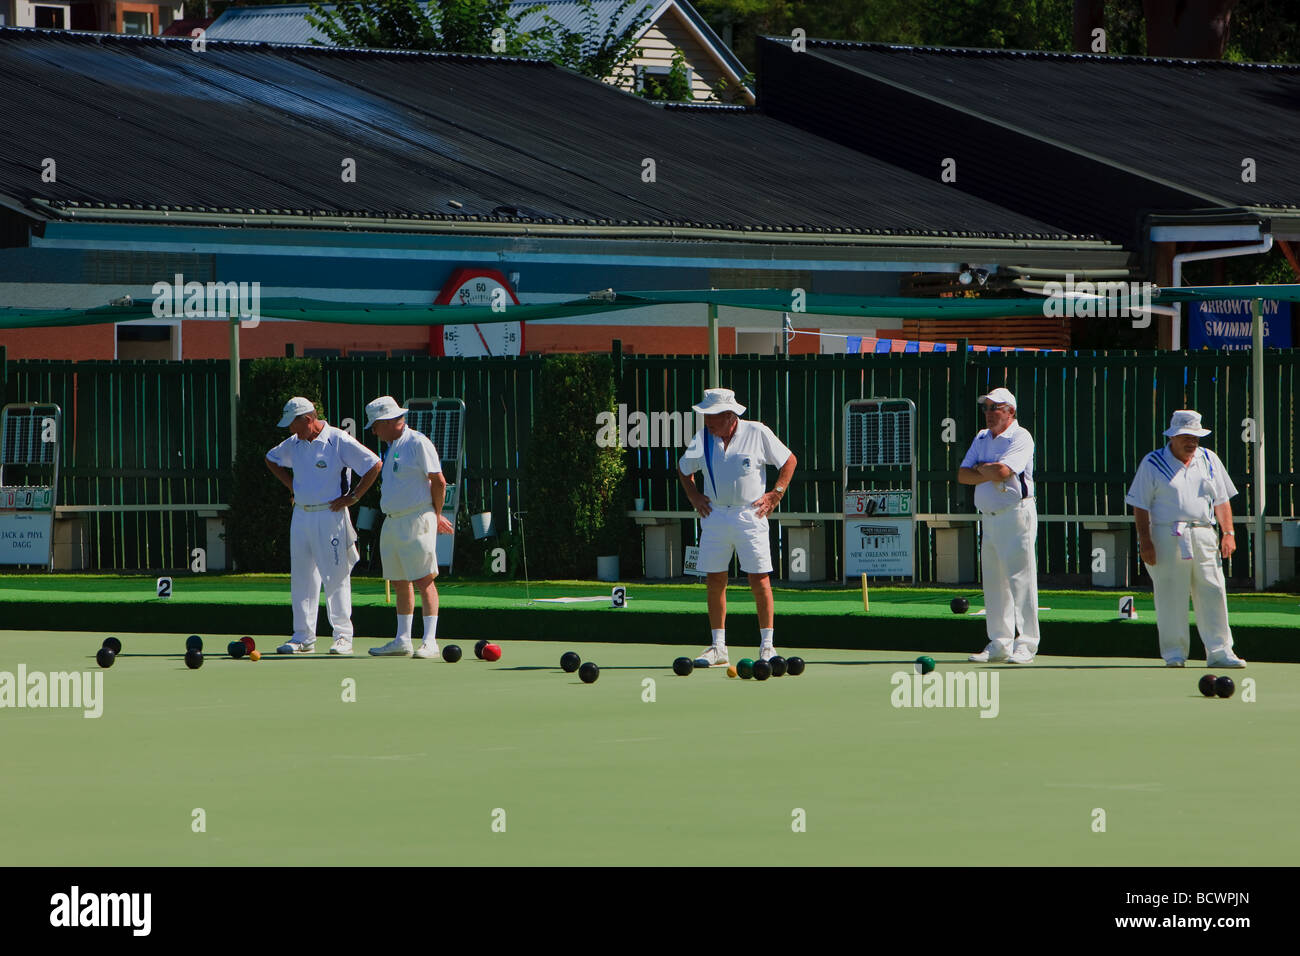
(26, 498)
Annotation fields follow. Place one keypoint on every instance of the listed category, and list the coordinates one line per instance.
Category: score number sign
(25, 499)
(859, 503)
(24, 530)
(878, 534)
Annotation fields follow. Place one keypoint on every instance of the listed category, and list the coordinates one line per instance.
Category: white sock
(765, 636)
(431, 630)
(719, 637)
(404, 622)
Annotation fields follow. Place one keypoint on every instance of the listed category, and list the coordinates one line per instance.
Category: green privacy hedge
(575, 493)
(260, 511)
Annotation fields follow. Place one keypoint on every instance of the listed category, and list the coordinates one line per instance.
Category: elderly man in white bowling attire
(315, 463)
(1000, 464)
(731, 454)
(1178, 494)
(411, 497)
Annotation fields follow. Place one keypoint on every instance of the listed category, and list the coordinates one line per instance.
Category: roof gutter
(1176, 332)
(571, 230)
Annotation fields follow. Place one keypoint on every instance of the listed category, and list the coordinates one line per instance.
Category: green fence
(141, 445)
(498, 396)
(1093, 415)
(156, 433)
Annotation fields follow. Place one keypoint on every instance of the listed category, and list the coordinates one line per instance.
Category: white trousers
(1011, 576)
(1200, 577)
(322, 549)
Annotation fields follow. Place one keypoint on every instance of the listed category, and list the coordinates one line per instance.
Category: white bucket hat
(383, 408)
(293, 408)
(999, 396)
(1185, 422)
(718, 400)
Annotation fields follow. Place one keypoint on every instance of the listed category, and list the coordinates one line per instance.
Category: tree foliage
(589, 51)
(675, 86)
(452, 26)
(483, 27)
(257, 528)
(1260, 30)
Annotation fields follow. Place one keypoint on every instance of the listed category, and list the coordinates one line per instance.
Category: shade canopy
(772, 300)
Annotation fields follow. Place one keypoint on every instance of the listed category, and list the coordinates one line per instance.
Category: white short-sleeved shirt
(1172, 491)
(320, 466)
(408, 463)
(734, 476)
(1013, 448)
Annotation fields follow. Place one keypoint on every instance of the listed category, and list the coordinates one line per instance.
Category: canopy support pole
(714, 375)
(1257, 371)
(234, 382)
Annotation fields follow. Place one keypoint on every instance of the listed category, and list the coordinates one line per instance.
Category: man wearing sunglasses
(1000, 464)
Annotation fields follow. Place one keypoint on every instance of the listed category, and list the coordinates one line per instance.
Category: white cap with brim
(718, 400)
(1185, 422)
(999, 396)
(382, 409)
(293, 408)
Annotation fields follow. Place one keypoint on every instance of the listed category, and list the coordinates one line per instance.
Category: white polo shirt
(734, 476)
(1013, 448)
(1172, 491)
(320, 466)
(408, 463)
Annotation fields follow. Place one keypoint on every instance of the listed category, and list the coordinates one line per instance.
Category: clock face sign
(482, 288)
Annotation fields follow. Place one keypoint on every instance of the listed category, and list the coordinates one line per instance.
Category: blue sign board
(1226, 324)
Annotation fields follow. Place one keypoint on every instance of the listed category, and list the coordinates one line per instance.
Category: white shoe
(394, 648)
(712, 657)
(1226, 660)
(766, 652)
(1021, 655)
(342, 646)
(1175, 662)
(428, 651)
(295, 647)
(993, 654)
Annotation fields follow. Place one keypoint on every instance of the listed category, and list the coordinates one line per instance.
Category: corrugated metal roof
(571, 15)
(1188, 122)
(148, 122)
(286, 23)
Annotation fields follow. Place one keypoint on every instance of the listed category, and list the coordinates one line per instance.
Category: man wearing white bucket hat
(322, 542)
(733, 509)
(412, 495)
(1177, 494)
(1000, 464)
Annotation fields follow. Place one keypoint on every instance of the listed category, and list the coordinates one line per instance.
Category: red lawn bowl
(249, 643)
(492, 652)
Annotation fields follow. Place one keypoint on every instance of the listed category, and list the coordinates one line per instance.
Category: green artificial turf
(712, 771)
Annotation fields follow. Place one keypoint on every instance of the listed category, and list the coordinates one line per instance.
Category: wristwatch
(1229, 534)
(780, 489)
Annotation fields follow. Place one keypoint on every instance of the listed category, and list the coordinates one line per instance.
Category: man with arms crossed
(1000, 464)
